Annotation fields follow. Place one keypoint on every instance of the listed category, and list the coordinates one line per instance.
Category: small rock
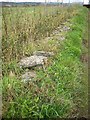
(43, 53)
(28, 76)
(65, 28)
(32, 61)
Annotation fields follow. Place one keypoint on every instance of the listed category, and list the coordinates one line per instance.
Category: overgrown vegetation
(61, 90)
(24, 28)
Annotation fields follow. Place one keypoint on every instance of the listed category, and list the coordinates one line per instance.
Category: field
(23, 24)
(59, 90)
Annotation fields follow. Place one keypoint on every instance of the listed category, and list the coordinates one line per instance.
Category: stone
(43, 53)
(28, 76)
(65, 28)
(32, 61)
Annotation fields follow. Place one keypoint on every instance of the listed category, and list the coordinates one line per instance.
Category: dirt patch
(84, 57)
(85, 43)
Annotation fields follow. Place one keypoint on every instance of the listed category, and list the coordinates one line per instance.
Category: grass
(60, 91)
(23, 29)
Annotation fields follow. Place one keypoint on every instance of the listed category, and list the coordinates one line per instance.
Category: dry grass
(25, 27)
